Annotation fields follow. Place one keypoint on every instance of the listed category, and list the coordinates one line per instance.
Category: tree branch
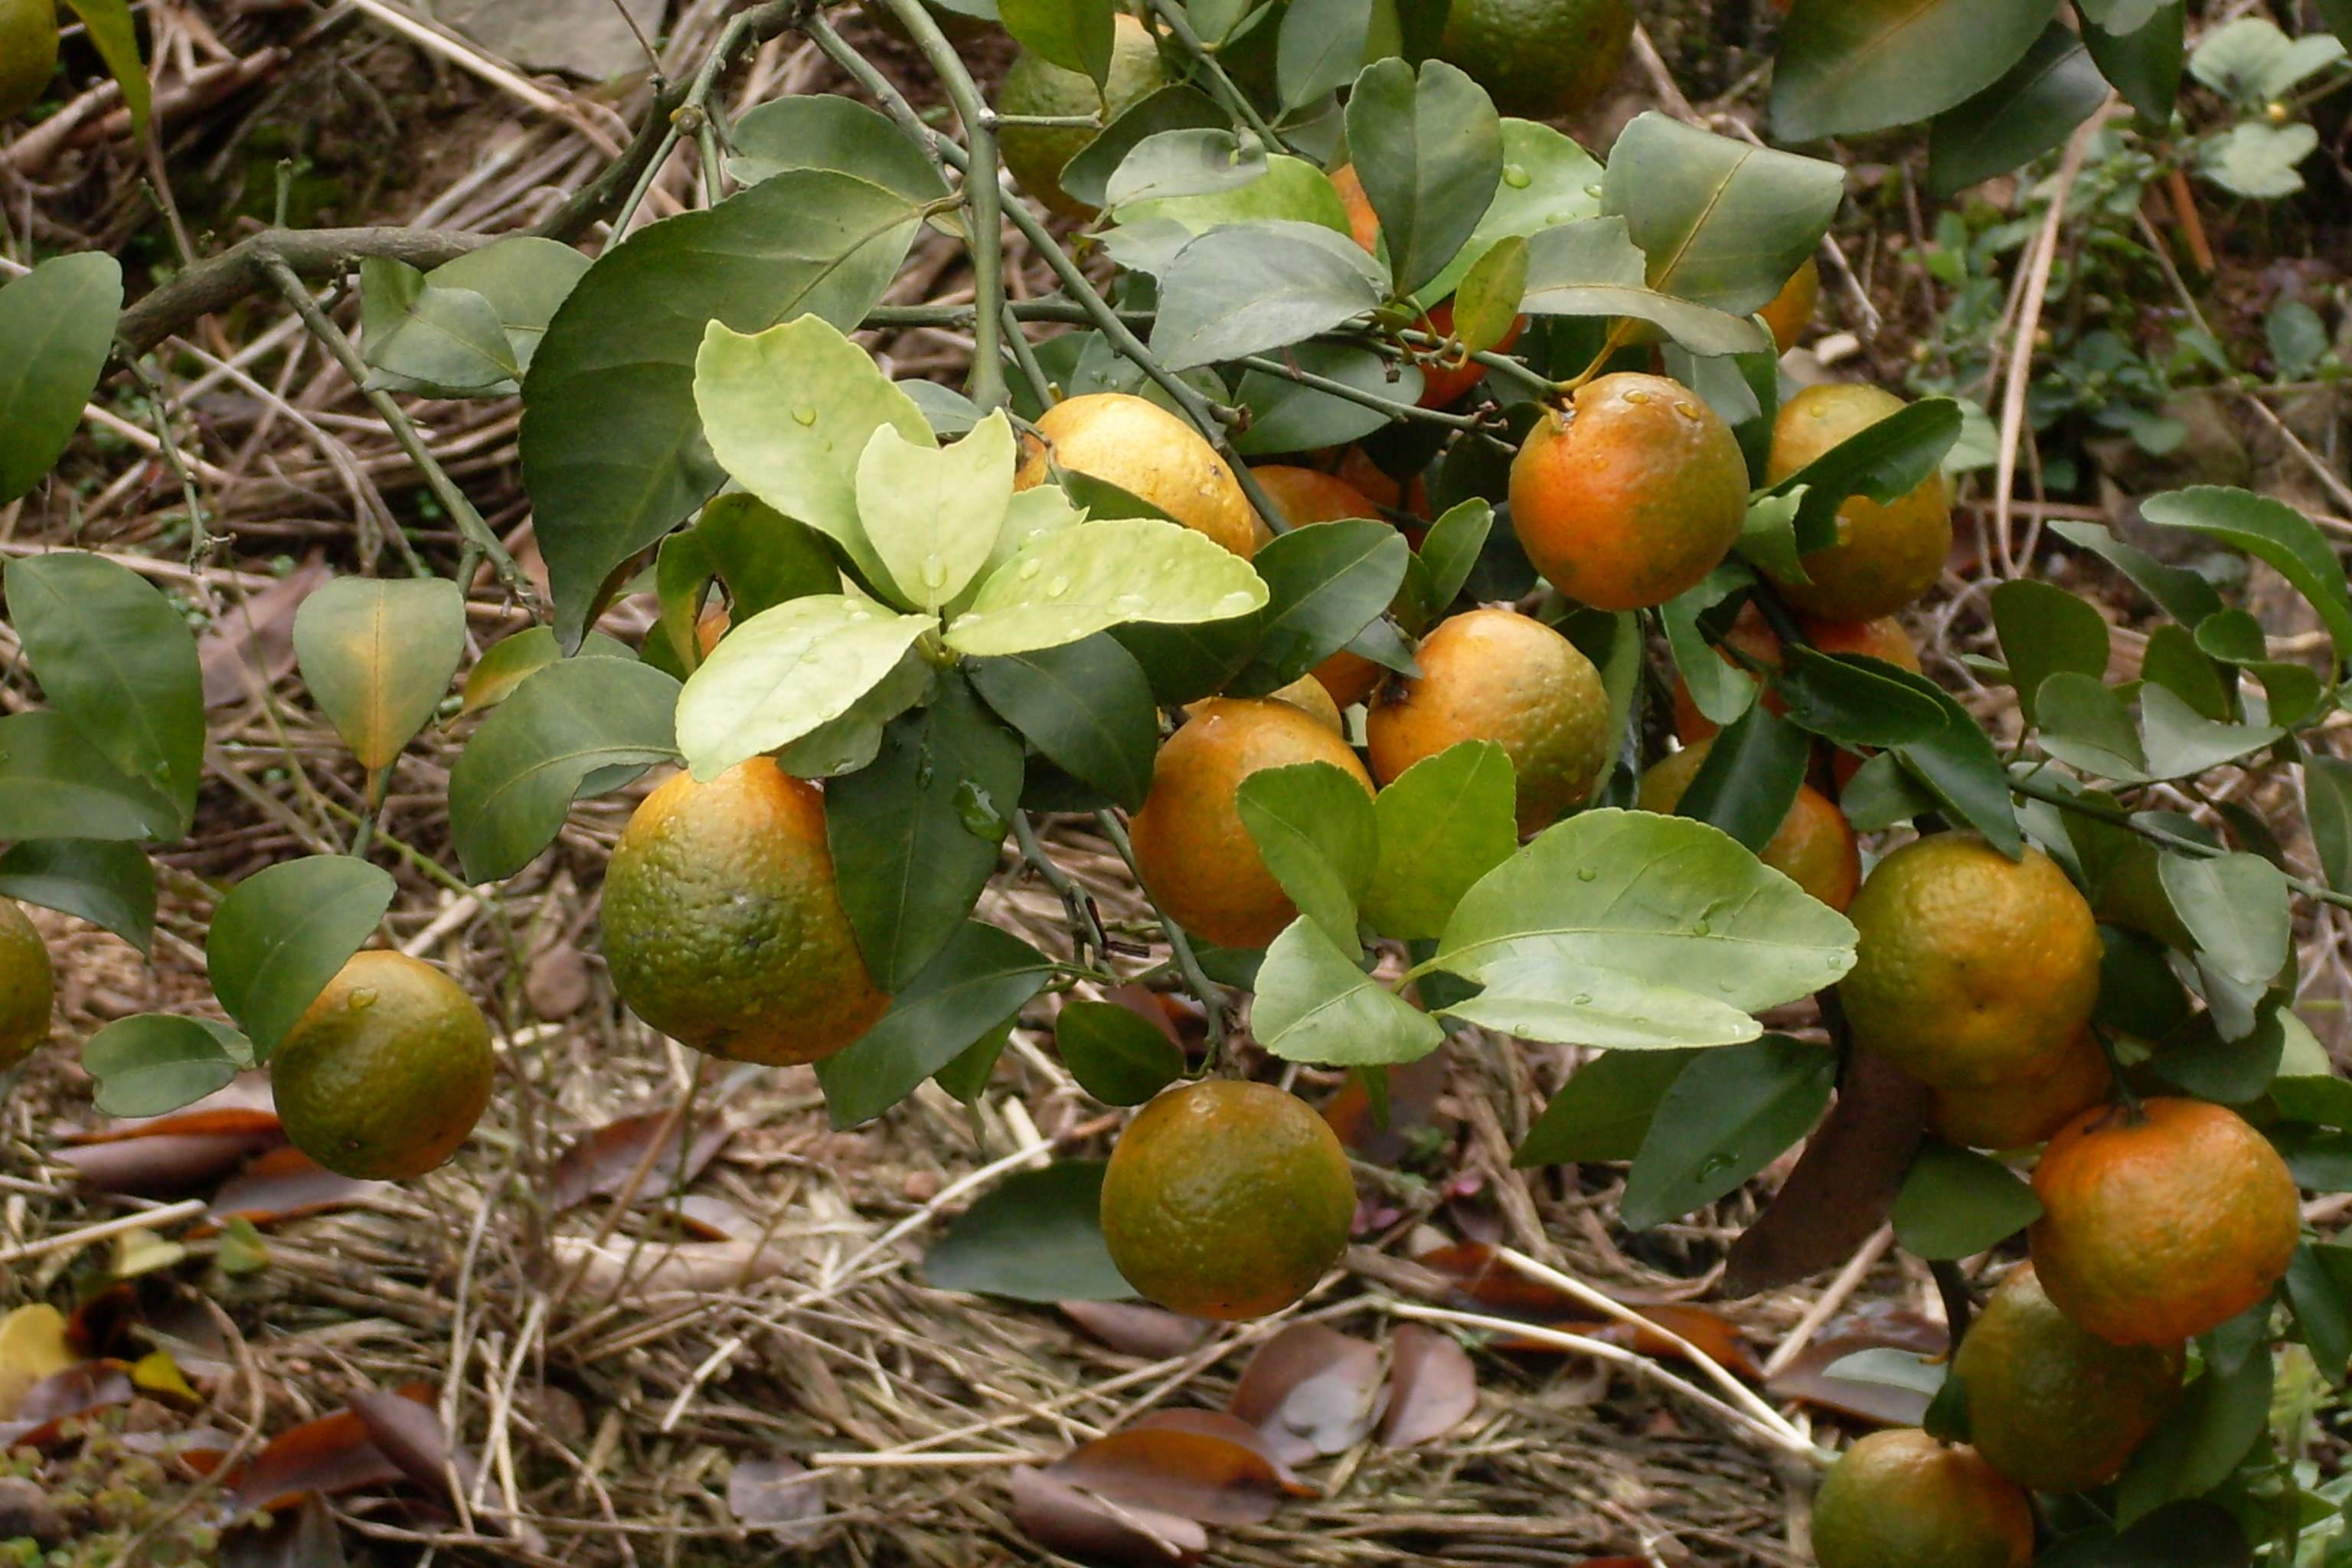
(245, 269)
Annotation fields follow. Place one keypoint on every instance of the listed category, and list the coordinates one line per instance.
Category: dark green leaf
(1444, 823)
(1250, 287)
(1313, 825)
(1321, 44)
(612, 444)
(2183, 594)
(1115, 1054)
(116, 658)
(763, 556)
(109, 884)
(982, 977)
(2144, 64)
(1286, 416)
(1086, 705)
(967, 1077)
(1885, 461)
(1721, 690)
(2044, 629)
(2030, 109)
(2327, 806)
(1751, 777)
(1186, 663)
(1729, 1113)
(1076, 34)
(1722, 221)
(54, 785)
(1450, 549)
(575, 722)
(437, 342)
(1603, 1111)
(1956, 1202)
(2138, 993)
(2173, 660)
(1590, 267)
(2327, 1101)
(826, 130)
(2193, 1534)
(1429, 151)
(1087, 177)
(153, 1062)
(915, 837)
(2085, 725)
(1880, 794)
(2272, 532)
(1037, 1237)
(1855, 702)
(1845, 68)
(59, 323)
(2200, 1441)
(284, 933)
(1326, 583)
(1959, 763)
(2319, 1289)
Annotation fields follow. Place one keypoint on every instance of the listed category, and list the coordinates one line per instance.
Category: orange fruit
(1152, 455)
(1885, 556)
(1814, 845)
(1539, 59)
(1306, 694)
(1791, 309)
(27, 986)
(1035, 155)
(1191, 849)
(1971, 969)
(1751, 634)
(1439, 384)
(723, 927)
(1631, 495)
(384, 1074)
(1310, 495)
(1499, 676)
(1356, 466)
(2050, 1407)
(2162, 1227)
(1901, 1499)
(1226, 1200)
(2020, 1111)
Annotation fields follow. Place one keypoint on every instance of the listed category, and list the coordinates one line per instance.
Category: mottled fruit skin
(1152, 455)
(1226, 1200)
(723, 928)
(384, 1075)
(1971, 969)
(28, 53)
(2017, 1112)
(1814, 845)
(1190, 847)
(1033, 154)
(1791, 309)
(2050, 1407)
(1499, 676)
(27, 986)
(1901, 1499)
(1539, 59)
(2162, 1228)
(1310, 495)
(1632, 495)
(1885, 556)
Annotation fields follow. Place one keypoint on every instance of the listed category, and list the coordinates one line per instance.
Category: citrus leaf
(1076, 34)
(1115, 1054)
(2030, 109)
(2271, 532)
(377, 655)
(1086, 706)
(423, 338)
(764, 557)
(1177, 106)
(933, 513)
(2238, 909)
(115, 39)
(785, 671)
(1069, 585)
(1847, 69)
(1444, 823)
(285, 930)
(54, 785)
(1750, 778)
(1314, 826)
(1486, 305)
(612, 449)
(116, 658)
(2044, 629)
(2144, 62)
(1288, 417)
(153, 1062)
(1956, 1203)
(2204, 1436)
(826, 130)
(1429, 150)
(1548, 180)
(1729, 1113)
(508, 662)
(2327, 807)
(2180, 593)
(59, 323)
(1251, 286)
(1449, 550)
(1190, 161)
(1321, 44)
(1604, 1109)
(1883, 461)
(1722, 222)
(1592, 267)
(571, 724)
(980, 979)
(1037, 1237)
(1314, 1005)
(1324, 583)
(109, 884)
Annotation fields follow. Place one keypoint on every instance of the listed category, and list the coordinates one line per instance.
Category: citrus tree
(1397, 537)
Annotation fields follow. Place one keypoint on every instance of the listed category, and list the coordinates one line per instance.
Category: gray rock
(584, 38)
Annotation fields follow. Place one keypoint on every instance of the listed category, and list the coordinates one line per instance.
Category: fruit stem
(1616, 340)
(2134, 1111)
(1188, 962)
(1958, 1306)
(1086, 931)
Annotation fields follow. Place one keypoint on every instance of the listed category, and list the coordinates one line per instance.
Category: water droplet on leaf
(804, 415)
(1515, 175)
(978, 813)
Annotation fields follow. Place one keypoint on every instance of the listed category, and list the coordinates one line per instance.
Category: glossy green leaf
(1722, 221)
(1314, 1005)
(573, 722)
(115, 656)
(1288, 417)
(1444, 823)
(2144, 63)
(1883, 460)
(284, 933)
(764, 557)
(2271, 532)
(1450, 549)
(1751, 777)
(981, 979)
(2044, 629)
(1592, 267)
(1037, 1237)
(1428, 148)
(1547, 181)
(915, 835)
(2034, 106)
(613, 448)
(1719, 689)
(1604, 1109)
(1115, 1054)
(1086, 706)
(1313, 825)
(1843, 68)
(2319, 1289)
(826, 130)
(1325, 584)
(1070, 584)
(109, 883)
(785, 671)
(1728, 1114)
(59, 323)
(1251, 287)
(1959, 763)
(153, 1062)
(508, 662)
(54, 785)
(377, 655)
(1956, 1202)
(933, 513)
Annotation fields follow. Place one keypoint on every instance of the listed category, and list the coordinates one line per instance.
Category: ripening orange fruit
(1900, 1498)
(1882, 638)
(1814, 845)
(1791, 309)
(1631, 495)
(1150, 453)
(2018, 1111)
(1885, 555)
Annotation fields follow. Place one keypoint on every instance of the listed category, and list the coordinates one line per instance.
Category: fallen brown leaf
(1878, 1325)
(781, 1496)
(1432, 1386)
(285, 1184)
(1311, 1390)
(1063, 1518)
(600, 1163)
(161, 1156)
(332, 1454)
(1413, 1090)
(1154, 1333)
(1485, 1281)
(1202, 1465)
(76, 1391)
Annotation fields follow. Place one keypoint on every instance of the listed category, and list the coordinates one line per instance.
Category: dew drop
(363, 999)
(805, 414)
(1167, 566)
(1701, 928)
(1593, 191)
(1233, 603)
(1587, 874)
(1716, 1164)
(978, 813)
(1515, 175)
(1029, 570)
(1057, 587)
(934, 571)
(1582, 999)
(1637, 396)
(1686, 408)
(1131, 604)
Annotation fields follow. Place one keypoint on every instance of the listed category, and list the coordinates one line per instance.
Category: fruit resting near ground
(1499, 676)
(27, 986)
(2052, 1407)
(1539, 59)
(722, 925)
(1033, 154)
(1631, 495)
(1885, 556)
(1791, 309)
(1310, 495)
(2164, 1227)
(28, 53)
(1226, 1200)
(1152, 455)
(1971, 969)
(384, 1074)
(1814, 845)
(1191, 849)
(1901, 1499)
(2016, 1113)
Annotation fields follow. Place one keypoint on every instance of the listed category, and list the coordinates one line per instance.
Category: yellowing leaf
(934, 513)
(1079, 580)
(785, 671)
(32, 1346)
